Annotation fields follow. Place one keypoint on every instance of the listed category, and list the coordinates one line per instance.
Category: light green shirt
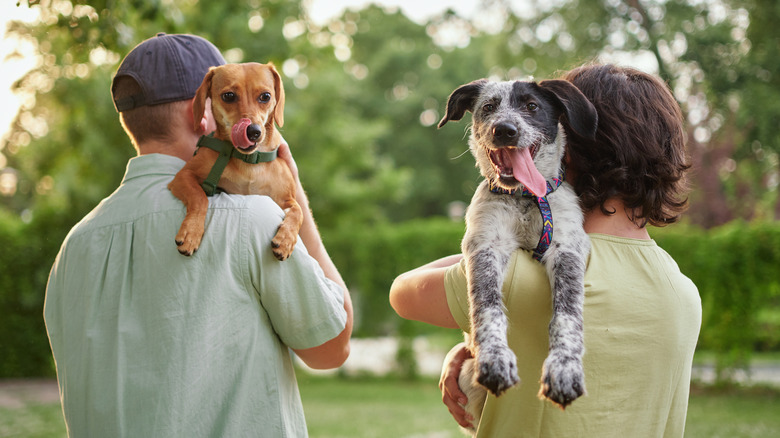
(642, 319)
(150, 343)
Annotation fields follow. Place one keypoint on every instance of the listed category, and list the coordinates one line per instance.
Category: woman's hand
(451, 394)
(285, 154)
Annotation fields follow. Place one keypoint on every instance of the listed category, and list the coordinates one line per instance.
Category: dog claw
(497, 372)
(283, 245)
(563, 380)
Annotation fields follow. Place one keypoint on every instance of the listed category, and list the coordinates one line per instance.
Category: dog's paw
(283, 244)
(475, 394)
(497, 369)
(188, 239)
(563, 380)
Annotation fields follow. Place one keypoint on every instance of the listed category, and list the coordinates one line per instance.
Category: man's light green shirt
(642, 319)
(149, 343)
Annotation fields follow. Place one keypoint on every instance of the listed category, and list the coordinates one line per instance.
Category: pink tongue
(524, 170)
(238, 134)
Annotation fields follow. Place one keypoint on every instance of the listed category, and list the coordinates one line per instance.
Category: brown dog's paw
(283, 244)
(188, 240)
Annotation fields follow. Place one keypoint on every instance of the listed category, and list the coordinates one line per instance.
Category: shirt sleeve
(306, 309)
(456, 287)
(525, 280)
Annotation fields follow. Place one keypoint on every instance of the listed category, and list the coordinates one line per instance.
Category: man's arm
(333, 353)
(420, 295)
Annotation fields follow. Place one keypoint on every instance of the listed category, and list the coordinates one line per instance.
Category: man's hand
(451, 394)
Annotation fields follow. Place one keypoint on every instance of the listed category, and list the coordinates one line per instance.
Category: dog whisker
(460, 155)
(467, 131)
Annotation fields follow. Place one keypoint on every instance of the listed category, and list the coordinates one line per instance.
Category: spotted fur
(499, 224)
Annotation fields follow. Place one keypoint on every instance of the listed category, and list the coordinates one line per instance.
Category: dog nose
(253, 132)
(504, 133)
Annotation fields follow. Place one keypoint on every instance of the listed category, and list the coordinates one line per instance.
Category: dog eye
(229, 97)
(264, 98)
(488, 107)
(532, 106)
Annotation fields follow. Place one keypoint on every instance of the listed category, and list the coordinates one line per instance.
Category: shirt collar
(152, 164)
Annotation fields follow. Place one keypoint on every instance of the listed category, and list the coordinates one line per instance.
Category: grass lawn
(385, 407)
(733, 413)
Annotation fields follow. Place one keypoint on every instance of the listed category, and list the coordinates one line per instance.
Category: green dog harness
(226, 152)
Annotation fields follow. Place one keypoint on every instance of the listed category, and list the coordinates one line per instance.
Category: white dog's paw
(497, 369)
(563, 380)
(475, 393)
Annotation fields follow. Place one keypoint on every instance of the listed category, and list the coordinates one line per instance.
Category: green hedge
(28, 251)
(736, 267)
(737, 270)
(369, 259)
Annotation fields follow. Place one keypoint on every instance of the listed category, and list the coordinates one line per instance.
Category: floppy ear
(199, 102)
(279, 92)
(462, 100)
(580, 113)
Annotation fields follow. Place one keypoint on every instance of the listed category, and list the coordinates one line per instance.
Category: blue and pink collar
(544, 209)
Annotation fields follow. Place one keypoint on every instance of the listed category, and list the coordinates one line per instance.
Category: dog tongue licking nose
(238, 134)
(524, 170)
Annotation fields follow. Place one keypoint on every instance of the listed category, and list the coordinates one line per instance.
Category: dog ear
(579, 111)
(279, 93)
(199, 102)
(462, 100)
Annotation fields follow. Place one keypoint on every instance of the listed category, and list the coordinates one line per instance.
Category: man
(148, 342)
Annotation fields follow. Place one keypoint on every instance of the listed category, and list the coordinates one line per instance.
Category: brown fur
(274, 179)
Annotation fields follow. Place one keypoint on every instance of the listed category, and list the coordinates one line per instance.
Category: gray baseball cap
(169, 68)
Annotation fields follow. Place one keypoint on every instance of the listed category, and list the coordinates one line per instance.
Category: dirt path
(19, 393)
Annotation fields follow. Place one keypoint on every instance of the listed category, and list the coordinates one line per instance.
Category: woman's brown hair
(638, 154)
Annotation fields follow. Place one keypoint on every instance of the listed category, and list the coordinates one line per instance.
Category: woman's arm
(335, 352)
(420, 295)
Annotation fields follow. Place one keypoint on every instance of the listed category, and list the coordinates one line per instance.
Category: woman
(642, 316)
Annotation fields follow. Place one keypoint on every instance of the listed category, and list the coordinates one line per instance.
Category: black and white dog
(518, 143)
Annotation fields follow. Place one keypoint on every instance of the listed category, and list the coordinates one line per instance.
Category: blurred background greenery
(366, 86)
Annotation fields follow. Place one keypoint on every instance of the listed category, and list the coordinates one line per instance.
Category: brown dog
(246, 100)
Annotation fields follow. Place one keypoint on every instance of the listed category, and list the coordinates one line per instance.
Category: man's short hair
(148, 122)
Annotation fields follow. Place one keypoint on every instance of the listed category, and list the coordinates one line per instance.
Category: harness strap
(544, 210)
(226, 152)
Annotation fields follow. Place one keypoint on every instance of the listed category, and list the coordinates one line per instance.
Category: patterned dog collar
(544, 209)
